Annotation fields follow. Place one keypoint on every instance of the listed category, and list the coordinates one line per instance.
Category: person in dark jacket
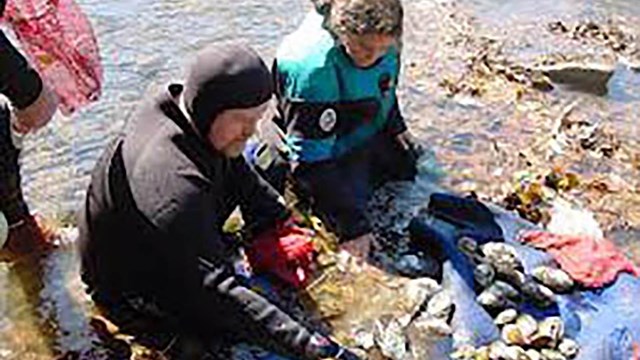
(342, 130)
(31, 105)
(151, 227)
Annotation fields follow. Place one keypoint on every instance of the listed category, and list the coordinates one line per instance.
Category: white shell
(506, 317)
(512, 335)
(503, 256)
(550, 354)
(328, 120)
(569, 348)
(527, 325)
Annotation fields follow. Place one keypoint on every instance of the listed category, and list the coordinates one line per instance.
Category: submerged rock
(586, 77)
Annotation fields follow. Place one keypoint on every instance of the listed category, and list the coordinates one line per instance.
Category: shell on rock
(484, 275)
(440, 306)
(512, 335)
(569, 348)
(527, 325)
(555, 279)
(549, 354)
(502, 256)
(506, 317)
(550, 332)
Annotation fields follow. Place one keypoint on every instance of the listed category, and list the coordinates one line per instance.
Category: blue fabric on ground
(605, 322)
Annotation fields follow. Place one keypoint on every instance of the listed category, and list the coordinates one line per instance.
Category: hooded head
(225, 94)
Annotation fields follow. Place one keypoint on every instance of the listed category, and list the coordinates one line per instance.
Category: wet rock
(555, 279)
(586, 77)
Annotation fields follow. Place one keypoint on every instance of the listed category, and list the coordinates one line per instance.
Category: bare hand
(36, 115)
(359, 247)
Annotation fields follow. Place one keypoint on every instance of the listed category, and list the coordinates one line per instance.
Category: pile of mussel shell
(502, 282)
(524, 338)
(428, 311)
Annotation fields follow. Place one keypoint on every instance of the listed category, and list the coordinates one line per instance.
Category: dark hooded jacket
(152, 222)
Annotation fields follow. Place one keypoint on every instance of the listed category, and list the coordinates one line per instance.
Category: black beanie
(225, 76)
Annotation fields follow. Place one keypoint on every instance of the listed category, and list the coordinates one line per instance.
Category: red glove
(286, 252)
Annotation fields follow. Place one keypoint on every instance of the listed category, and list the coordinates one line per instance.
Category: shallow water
(145, 44)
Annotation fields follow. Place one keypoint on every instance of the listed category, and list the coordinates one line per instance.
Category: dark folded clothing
(470, 216)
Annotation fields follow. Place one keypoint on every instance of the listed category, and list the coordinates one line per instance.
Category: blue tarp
(605, 322)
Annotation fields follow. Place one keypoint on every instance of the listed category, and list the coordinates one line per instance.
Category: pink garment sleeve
(59, 40)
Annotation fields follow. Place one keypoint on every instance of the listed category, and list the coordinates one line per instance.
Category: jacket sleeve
(18, 81)
(260, 203)
(395, 121)
(202, 289)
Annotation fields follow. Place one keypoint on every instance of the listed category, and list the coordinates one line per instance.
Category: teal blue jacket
(328, 106)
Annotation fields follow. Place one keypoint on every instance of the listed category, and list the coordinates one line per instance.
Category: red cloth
(58, 39)
(286, 252)
(591, 262)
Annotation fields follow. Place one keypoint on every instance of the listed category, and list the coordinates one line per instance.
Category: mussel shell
(527, 325)
(506, 290)
(550, 332)
(555, 279)
(539, 294)
(484, 275)
(502, 256)
(494, 302)
(512, 335)
(506, 317)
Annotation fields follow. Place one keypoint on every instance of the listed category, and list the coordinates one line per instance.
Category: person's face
(366, 49)
(232, 128)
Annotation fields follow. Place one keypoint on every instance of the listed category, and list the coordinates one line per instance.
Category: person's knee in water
(336, 79)
(151, 228)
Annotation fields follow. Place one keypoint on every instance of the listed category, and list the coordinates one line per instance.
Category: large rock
(588, 77)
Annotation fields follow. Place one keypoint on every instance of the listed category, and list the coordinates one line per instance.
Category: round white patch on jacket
(328, 120)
